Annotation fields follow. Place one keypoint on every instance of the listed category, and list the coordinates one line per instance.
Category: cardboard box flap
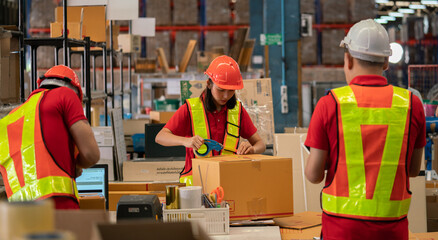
(239, 158)
(300, 220)
(80, 222)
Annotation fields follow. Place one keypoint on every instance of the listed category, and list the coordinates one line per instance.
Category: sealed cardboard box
(114, 197)
(133, 126)
(160, 116)
(256, 186)
(152, 171)
(256, 97)
(91, 201)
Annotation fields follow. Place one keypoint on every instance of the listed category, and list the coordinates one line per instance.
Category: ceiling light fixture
(395, 14)
(387, 18)
(381, 1)
(429, 2)
(406, 10)
(381, 21)
(417, 6)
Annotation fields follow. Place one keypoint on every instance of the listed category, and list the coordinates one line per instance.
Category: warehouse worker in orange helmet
(369, 136)
(45, 142)
(217, 115)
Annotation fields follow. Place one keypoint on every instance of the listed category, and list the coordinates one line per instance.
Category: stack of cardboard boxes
(9, 68)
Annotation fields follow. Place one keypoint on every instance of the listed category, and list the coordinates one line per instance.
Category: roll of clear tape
(190, 197)
(20, 218)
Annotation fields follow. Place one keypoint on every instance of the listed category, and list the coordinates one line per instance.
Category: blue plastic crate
(138, 142)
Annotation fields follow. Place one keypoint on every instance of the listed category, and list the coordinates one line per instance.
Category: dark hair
(208, 100)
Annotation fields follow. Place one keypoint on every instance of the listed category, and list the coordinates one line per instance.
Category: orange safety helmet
(61, 75)
(225, 73)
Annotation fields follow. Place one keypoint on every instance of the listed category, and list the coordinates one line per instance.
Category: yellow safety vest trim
(352, 118)
(33, 188)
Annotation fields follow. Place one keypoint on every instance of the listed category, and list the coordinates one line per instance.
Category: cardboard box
(133, 126)
(141, 186)
(160, 117)
(305, 225)
(256, 186)
(152, 171)
(300, 234)
(5, 42)
(73, 30)
(417, 209)
(306, 194)
(91, 201)
(424, 236)
(4, 79)
(104, 136)
(129, 43)
(256, 97)
(94, 20)
(114, 197)
(79, 222)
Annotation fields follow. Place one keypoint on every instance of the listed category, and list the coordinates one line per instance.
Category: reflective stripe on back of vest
(24, 159)
(357, 203)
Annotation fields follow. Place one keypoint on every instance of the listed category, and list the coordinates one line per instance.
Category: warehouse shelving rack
(65, 43)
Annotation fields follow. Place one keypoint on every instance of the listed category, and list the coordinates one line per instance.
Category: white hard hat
(367, 40)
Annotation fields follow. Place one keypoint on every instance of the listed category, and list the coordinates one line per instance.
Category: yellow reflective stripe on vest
(232, 135)
(44, 187)
(199, 122)
(352, 118)
(33, 188)
(27, 110)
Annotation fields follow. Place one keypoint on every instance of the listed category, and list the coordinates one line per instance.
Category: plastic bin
(138, 142)
(166, 105)
(214, 221)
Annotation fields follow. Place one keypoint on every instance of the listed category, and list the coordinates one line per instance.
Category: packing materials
(256, 97)
(306, 194)
(190, 197)
(256, 186)
(152, 171)
(23, 218)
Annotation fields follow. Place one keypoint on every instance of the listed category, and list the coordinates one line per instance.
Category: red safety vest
(28, 169)
(370, 182)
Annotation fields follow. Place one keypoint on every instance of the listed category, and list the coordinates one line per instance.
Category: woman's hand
(194, 142)
(245, 148)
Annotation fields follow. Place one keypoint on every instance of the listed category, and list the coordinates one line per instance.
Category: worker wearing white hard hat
(369, 136)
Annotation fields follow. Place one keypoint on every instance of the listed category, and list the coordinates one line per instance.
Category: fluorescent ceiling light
(397, 53)
(381, 21)
(395, 14)
(381, 1)
(417, 6)
(429, 2)
(406, 10)
(402, 4)
(387, 18)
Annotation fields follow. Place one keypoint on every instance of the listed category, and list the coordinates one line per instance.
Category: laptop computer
(94, 180)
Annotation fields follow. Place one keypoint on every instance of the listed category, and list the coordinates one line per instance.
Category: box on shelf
(160, 116)
(145, 65)
(218, 12)
(185, 12)
(160, 10)
(255, 186)
(133, 126)
(152, 171)
(91, 201)
(334, 11)
(129, 43)
(256, 97)
(94, 20)
(332, 54)
(74, 30)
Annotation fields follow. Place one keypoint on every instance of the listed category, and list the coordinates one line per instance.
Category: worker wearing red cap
(45, 142)
(217, 115)
(369, 136)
